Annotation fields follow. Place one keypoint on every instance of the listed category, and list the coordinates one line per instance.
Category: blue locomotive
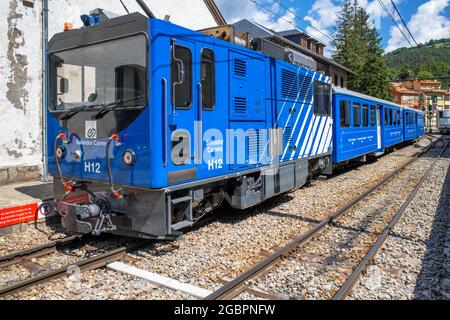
(151, 126)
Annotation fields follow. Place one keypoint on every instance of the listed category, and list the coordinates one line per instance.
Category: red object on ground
(17, 215)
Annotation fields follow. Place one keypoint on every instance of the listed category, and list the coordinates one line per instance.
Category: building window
(308, 44)
(344, 111)
(336, 83)
(356, 115)
(208, 79)
(181, 77)
(342, 82)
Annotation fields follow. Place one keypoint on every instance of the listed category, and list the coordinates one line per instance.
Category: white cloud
(235, 10)
(426, 24)
(323, 17)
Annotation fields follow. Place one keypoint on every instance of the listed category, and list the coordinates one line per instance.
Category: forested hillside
(430, 60)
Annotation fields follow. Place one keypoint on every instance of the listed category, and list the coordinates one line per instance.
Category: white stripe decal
(324, 147)
(329, 140)
(319, 137)
(315, 138)
(305, 120)
(299, 113)
(308, 133)
(311, 137)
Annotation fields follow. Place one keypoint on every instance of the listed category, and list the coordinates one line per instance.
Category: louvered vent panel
(288, 135)
(240, 105)
(251, 147)
(240, 67)
(305, 88)
(289, 84)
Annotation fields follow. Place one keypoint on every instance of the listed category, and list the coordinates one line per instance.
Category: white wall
(21, 63)
(20, 84)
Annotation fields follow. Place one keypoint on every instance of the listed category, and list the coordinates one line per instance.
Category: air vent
(240, 68)
(287, 135)
(305, 88)
(240, 105)
(289, 84)
(251, 147)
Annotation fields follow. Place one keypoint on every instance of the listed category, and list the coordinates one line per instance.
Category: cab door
(182, 112)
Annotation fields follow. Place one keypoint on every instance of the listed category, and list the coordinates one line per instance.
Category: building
(22, 52)
(302, 42)
(426, 95)
(404, 96)
(431, 93)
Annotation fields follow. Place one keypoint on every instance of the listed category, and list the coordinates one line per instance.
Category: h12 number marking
(92, 167)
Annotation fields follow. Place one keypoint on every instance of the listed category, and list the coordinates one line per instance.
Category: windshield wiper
(118, 103)
(69, 114)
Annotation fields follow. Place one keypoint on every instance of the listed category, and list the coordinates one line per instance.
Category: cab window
(208, 79)
(322, 99)
(181, 77)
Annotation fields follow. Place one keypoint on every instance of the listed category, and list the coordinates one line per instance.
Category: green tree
(424, 74)
(358, 47)
(406, 73)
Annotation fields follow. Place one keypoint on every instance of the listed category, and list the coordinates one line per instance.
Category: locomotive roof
(366, 97)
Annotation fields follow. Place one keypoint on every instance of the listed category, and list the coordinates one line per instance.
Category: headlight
(61, 152)
(129, 157)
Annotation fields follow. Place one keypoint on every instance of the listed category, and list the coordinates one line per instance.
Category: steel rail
(46, 248)
(352, 280)
(236, 286)
(83, 266)
(87, 264)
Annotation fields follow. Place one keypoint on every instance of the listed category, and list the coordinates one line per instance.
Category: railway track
(110, 256)
(235, 287)
(83, 265)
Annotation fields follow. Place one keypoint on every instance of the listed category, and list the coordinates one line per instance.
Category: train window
(406, 118)
(344, 109)
(399, 118)
(365, 111)
(386, 117)
(373, 116)
(322, 98)
(181, 81)
(391, 117)
(208, 79)
(356, 114)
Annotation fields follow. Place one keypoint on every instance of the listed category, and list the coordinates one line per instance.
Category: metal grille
(240, 68)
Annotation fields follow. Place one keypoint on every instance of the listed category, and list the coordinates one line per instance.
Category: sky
(426, 19)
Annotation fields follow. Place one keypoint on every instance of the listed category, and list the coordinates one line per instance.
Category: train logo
(91, 130)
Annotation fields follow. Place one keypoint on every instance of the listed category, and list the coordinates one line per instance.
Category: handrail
(165, 120)
(199, 157)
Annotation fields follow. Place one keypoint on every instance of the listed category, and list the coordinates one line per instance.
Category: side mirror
(64, 85)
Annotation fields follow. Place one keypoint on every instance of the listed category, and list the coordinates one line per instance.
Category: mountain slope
(438, 50)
